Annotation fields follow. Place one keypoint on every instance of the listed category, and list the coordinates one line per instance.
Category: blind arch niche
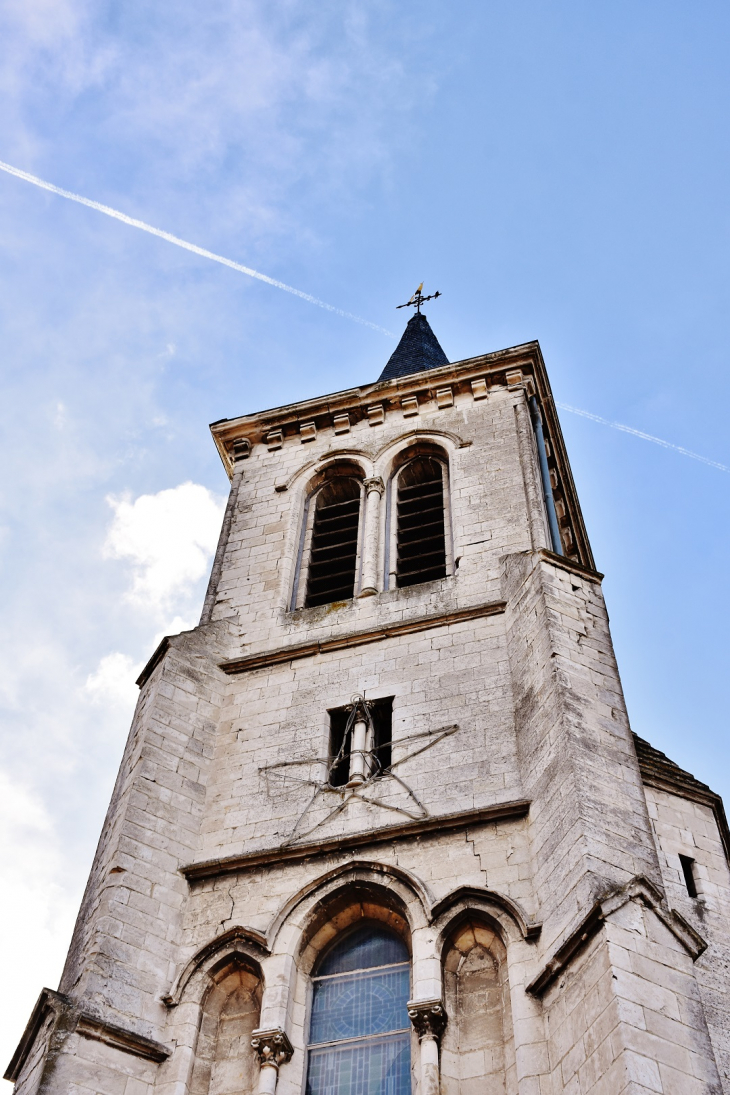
(477, 1049)
(224, 1060)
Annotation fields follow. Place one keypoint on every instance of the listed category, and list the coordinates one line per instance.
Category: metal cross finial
(418, 299)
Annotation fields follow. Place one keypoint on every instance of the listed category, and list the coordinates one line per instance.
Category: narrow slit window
(688, 870)
(333, 556)
(382, 715)
(339, 759)
(421, 528)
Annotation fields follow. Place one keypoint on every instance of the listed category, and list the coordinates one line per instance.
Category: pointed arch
(508, 916)
(239, 945)
(477, 1048)
(378, 884)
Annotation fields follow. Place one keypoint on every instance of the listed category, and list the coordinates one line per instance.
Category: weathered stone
(528, 858)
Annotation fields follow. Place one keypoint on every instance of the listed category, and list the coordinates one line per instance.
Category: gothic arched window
(359, 1031)
(421, 525)
(329, 548)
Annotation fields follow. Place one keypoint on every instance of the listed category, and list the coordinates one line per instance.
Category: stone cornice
(213, 868)
(563, 563)
(356, 400)
(78, 1021)
(638, 889)
(514, 368)
(358, 638)
(121, 1038)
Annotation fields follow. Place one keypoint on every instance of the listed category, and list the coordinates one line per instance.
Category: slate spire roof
(418, 350)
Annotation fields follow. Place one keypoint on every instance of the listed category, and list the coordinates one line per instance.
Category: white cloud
(168, 538)
(113, 681)
(36, 917)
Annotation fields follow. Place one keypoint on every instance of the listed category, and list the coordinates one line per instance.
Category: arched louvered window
(359, 1031)
(421, 527)
(333, 551)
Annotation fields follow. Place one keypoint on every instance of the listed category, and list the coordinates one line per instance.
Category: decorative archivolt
(510, 919)
(388, 454)
(388, 884)
(382, 890)
(243, 946)
(311, 472)
(371, 465)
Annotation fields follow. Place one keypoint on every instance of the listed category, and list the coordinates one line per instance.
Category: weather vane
(418, 299)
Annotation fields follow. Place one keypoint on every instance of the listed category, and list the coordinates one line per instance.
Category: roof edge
(658, 771)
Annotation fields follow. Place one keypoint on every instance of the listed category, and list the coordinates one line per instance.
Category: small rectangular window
(379, 744)
(688, 870)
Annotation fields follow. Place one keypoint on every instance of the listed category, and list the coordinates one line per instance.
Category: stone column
(273, 1048)
(360, 759)
(429, 1020)
(373, 492)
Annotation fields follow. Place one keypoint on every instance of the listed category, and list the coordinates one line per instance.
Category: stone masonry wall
(529, 703)
(125, 942)
(489, 517)
(690, 828)
(626, 1016)
(588, 819)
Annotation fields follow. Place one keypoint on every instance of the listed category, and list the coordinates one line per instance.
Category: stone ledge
(638, 889)
(359, 638)
(570, 565)
(75, 1020)
(212, 868)
(120, 1038)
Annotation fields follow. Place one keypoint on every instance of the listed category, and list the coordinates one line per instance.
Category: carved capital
(374, 484)
(272, 1047)
(428, 1018)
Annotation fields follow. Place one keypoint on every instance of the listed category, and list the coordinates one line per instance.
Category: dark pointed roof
(417, 350)
(657, 770)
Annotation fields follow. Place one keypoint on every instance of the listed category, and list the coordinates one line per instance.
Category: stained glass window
(359, 1034)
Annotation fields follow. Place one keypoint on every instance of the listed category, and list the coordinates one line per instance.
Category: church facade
(381, 826)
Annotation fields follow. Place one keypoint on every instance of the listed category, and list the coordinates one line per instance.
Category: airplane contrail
(642, 435)
(187, 246)
(204, 253)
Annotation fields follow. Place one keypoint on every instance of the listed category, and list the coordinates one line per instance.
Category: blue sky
(558, 170)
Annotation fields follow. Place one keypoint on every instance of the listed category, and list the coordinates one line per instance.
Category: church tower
(381, 826)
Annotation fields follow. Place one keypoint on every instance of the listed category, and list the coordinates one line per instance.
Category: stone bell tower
(381, 825)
